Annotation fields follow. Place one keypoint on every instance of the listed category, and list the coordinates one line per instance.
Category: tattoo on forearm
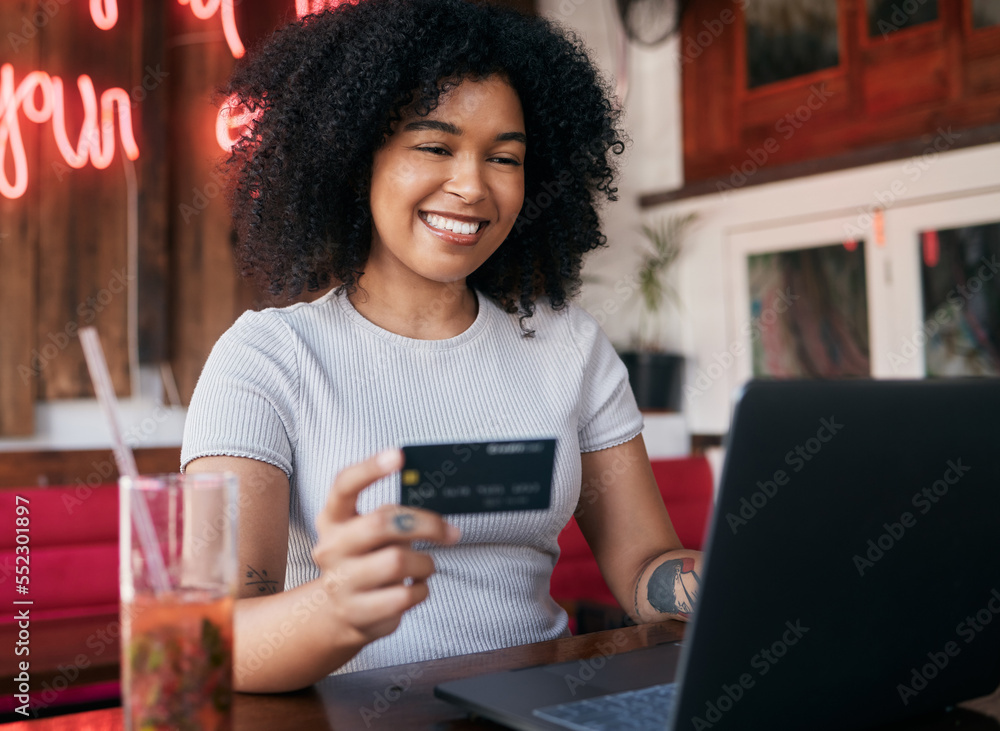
(259, 579)
(673, 587)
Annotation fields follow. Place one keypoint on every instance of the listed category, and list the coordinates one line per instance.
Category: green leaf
(212, 643)
(666, 243)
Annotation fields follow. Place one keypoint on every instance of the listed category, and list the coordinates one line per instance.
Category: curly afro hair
(324, 94)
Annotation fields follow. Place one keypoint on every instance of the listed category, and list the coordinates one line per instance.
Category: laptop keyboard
(647, 709)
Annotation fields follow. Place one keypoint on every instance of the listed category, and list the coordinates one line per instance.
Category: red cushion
(61, 515)
(73, 584)
(686, 487)
(73, 548)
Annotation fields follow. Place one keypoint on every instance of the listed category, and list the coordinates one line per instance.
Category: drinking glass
(178, 585)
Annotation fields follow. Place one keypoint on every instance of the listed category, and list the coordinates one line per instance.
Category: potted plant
(656, 375)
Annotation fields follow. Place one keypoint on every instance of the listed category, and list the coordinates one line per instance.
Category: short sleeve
(246, 399)
(608, 412)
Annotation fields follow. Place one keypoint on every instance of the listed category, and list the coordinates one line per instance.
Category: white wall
(652, 162)
(145, 421)
(649, 80)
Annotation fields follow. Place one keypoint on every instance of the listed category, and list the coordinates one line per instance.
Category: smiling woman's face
(447, 187)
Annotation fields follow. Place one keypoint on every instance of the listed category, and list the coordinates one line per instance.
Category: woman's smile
(458, 230)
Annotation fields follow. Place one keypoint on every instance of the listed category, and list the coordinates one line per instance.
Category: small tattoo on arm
(259, 579)
(673, 587)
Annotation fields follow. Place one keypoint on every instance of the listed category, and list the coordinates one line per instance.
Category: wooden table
(353, 701)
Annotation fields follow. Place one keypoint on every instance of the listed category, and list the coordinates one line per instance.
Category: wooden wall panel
(709, 89)
(19, 360)
(150, 75)
(905, 72)
(206, 292)
(884, 91)
(983, 75)
(206, 295)
(83, 264)
(73, 467)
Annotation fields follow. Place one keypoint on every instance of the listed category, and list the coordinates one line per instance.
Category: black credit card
(478, 477)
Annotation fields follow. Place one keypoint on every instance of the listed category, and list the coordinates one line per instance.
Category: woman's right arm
(287, 640)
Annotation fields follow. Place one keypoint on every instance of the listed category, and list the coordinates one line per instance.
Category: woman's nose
(466, 181)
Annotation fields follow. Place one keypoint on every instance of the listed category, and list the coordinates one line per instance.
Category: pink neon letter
(10, 133)
(75, 158)
(205, 9)
(104, 13)
(231, 122)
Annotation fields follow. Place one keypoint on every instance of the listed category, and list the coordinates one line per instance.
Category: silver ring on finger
(404, 522)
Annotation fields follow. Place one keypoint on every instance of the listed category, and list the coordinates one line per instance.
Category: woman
(440, 162)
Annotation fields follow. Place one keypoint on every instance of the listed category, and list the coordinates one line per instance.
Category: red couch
(577, 584)
(72, 582)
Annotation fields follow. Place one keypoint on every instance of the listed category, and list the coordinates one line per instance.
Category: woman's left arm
(622, 516)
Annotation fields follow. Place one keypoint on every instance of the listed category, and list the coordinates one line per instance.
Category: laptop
(851, 576)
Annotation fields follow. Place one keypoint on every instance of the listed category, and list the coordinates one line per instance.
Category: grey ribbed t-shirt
(315, 387)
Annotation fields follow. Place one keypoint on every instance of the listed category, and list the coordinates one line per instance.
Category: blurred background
(812, 190)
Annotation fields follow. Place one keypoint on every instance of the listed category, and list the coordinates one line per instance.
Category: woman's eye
(434, 150)
(507, 161)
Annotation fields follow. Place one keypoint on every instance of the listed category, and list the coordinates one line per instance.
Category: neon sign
(104, 13)
(41, 98)
(96, 144)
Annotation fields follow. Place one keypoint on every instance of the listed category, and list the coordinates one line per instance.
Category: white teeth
(447, 224)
